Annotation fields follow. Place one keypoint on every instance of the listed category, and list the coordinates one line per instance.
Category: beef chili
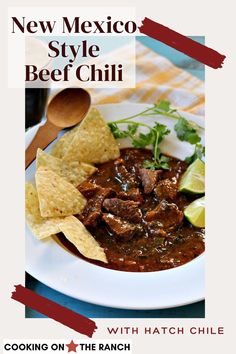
(136, 215)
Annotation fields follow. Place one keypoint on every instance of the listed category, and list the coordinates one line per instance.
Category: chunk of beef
(149, 179)
(132, 194)
(176, 170)
(166, 189)
(88, 189)
(119, 161)
(127, 209)
(122, 229)
(126, 179)
(166, 214)
(93, 209)
(154, 229)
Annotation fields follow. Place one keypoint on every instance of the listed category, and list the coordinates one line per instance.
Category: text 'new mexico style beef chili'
(136, 215)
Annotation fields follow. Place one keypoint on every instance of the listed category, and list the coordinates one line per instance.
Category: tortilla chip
(48, 162)
(63, 143)
(74, 172)
(39, 226)
(93, 141)
(57, 197)
(77, 172)
(77, 234)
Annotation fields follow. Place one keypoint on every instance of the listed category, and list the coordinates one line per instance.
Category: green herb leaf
(186, 131)
(162, 163)
(163, 106)
(199, 152)
(159, 131)
(118, 134)
(132, 129)
(162, 130)
(143, 140)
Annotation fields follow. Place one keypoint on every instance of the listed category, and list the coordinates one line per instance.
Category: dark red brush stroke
(181, 43)
(55, 311)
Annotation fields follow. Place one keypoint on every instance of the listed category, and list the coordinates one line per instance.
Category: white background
(214, 20)
(16, 45)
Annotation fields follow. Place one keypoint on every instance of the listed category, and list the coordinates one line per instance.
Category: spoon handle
(44, 136)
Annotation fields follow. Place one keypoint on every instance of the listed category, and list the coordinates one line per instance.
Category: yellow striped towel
(157, 79)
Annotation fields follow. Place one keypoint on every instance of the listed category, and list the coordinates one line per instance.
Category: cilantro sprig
(199, 152)
(159, 161)
(121, 134)
(185, 130)
(153, 137)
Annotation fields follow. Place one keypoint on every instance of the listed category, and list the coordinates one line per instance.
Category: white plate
(54, 266)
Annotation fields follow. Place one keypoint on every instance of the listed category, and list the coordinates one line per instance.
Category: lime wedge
(195, 212)
(193, 179)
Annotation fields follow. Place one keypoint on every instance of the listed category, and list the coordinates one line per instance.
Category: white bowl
(51, 264)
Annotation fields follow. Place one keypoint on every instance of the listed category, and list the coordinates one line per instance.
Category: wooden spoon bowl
(66, 109)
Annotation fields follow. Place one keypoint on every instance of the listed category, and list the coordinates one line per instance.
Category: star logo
(72, 347)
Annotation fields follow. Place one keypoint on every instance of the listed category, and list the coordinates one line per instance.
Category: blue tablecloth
(196, 310)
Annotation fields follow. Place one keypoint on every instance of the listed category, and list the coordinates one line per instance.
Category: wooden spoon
(66, 109)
